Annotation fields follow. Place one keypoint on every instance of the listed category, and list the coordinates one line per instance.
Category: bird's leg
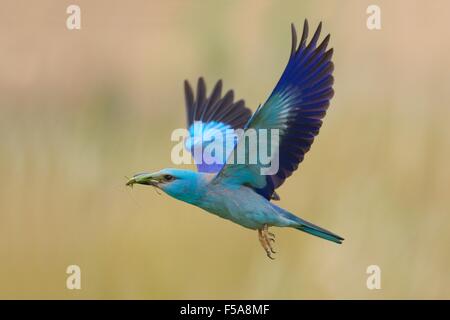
(265, 237)
(264, 244)
(269, 237)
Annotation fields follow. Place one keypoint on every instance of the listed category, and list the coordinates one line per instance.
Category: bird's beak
(143, 178)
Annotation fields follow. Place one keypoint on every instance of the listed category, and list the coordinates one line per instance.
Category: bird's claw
(265, 238)
(269, 256)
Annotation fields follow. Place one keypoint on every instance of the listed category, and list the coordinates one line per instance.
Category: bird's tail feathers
(310, 228)
(319, 232)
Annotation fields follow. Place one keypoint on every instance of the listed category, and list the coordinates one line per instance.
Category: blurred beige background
(79, 110)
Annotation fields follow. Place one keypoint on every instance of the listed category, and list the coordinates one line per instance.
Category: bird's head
(180, 184)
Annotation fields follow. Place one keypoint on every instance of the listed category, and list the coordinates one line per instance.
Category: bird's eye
(168, 177)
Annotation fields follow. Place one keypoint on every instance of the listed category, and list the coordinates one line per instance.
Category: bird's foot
(265, 238)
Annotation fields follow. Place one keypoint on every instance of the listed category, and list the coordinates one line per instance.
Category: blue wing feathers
(296, 108)
(215, 107)
(304, 92)
(215, 112)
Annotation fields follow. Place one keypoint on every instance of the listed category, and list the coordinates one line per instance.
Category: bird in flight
(239, 191)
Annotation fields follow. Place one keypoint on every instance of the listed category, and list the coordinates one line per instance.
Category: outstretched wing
(210, 116)
(296, 108)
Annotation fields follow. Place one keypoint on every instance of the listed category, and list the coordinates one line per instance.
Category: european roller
(239, 191)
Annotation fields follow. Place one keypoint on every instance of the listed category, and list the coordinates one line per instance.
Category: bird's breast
(241, 205)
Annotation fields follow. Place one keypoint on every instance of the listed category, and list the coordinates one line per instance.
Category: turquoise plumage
(238, 191)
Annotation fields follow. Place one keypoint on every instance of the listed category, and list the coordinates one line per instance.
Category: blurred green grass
(74, 122)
